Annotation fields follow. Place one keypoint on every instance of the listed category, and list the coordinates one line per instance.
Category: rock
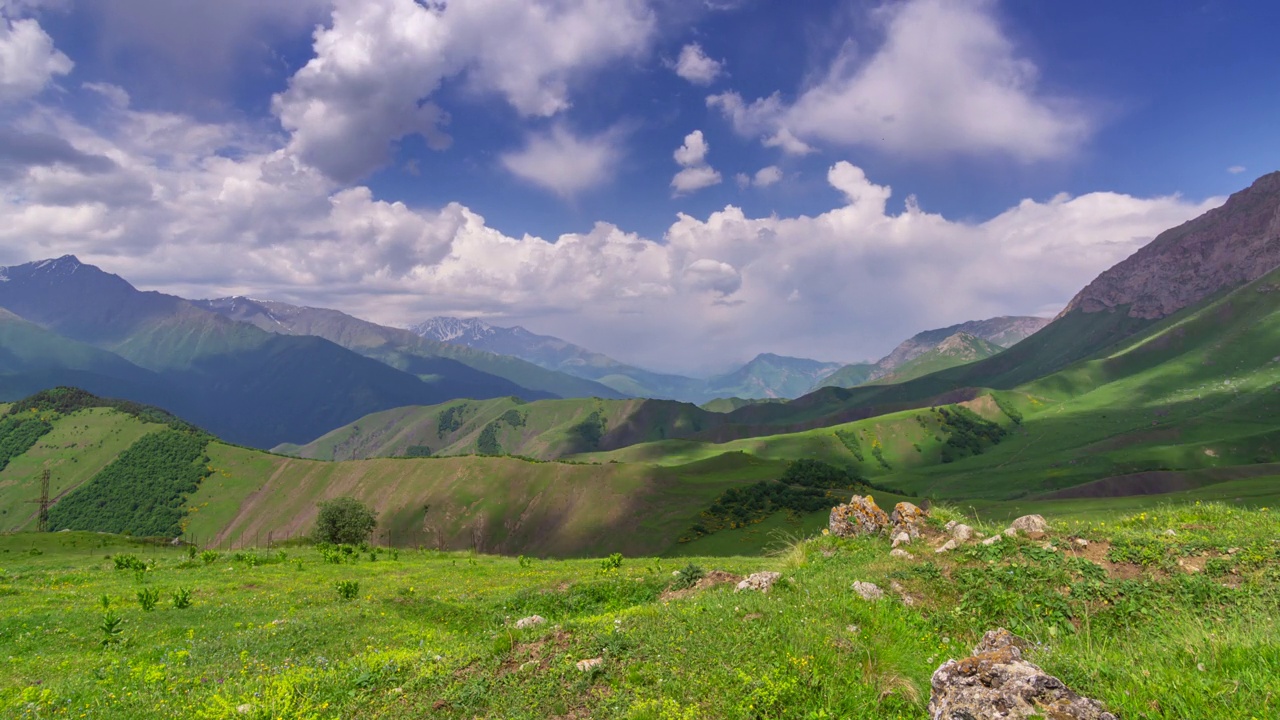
(1034, 526)
(1171, 532)
(997, 683)
(868, 591)
(860, 516)
(992, 540)
(902, 538)
(1010, 532)
(950, 524)
(961, 533)
(900, 553)
(761, 581)
(528, 622)
(1081, 542)
(590, 663)
(907, 518)
(947, 546)
(907, 598)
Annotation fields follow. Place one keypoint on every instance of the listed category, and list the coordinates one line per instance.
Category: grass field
(1155, 625)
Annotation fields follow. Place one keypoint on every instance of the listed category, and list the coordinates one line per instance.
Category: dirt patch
(1096, 553)
(710, 580)
(535, 655)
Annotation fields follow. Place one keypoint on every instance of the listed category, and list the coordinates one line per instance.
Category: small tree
(344, 521)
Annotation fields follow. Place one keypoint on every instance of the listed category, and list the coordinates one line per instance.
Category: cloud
(21, 150)
(764, 177)
(692, 156)
(693, 179)
(788, 143)
(1236, 169)
(694, 65)
(219, 209)
(945, 80)
(693, 151)
(28, 59)
(378, 61)
(564, 163)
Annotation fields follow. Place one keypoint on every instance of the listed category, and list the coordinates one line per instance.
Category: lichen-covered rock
(907, 518)
(859, 516)
(590, 664)
(900, 553)
(948, 546)
(901, 538)
(961, 533)
(1034, 526)
(528, 622)
(868, 591)
(997, 684)
(761, 581)
(992, 540)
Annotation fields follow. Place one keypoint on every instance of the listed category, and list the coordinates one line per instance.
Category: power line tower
(42, 523)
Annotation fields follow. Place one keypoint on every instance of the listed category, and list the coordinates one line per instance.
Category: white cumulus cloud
(564, 163)
(692, 156)
(945, 80)
(378, 62)
(28, 59)
(694, 65)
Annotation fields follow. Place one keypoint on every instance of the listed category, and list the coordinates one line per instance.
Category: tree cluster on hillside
(805, 486)
(487, 443)
(590, 430)
(143, 492)
(450, 419)
(65, 400)
(968, 432)
(18, 433)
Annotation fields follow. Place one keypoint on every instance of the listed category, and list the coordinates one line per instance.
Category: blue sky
(680, 184)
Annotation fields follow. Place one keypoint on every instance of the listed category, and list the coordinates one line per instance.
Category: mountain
(1223, 248)
(470, 370)
(246, 385)
(959, 349)
(553, 353)
(766, 376)
(1004, 332)
(770, 376)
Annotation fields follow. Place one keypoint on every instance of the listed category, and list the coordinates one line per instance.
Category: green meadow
(1156, 624)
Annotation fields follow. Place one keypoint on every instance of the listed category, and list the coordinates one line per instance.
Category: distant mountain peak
(460, 331)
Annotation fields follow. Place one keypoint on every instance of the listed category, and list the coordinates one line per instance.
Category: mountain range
(67, 323)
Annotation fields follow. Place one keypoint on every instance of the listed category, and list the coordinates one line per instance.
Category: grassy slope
(497, 504)
(549, 429)
(79, 445)
(432, 633)
(962, 352)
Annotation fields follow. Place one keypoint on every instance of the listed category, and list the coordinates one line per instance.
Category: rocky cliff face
(1224, 248)
(1003, 331)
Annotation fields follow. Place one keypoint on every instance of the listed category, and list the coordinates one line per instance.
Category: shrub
(210, 556)
(147, 598)
(110, 628)
(688, 577)
(129, 562)
(347, 589)
(613, 562)
(344, 521)
(182, 598)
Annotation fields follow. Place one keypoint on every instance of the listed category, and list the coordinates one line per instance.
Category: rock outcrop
(761, 581)
(1224, 248)
(868, 591)
(1033, 526)
(907, 518)
(997, 684)
(859, 516)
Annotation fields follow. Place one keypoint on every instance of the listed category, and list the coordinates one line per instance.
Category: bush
(344, 521)
(347, 589)
(147, 598)
(129, 562)
(688, 577)
(182, 598)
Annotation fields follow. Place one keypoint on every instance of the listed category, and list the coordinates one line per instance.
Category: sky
(680, 184)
